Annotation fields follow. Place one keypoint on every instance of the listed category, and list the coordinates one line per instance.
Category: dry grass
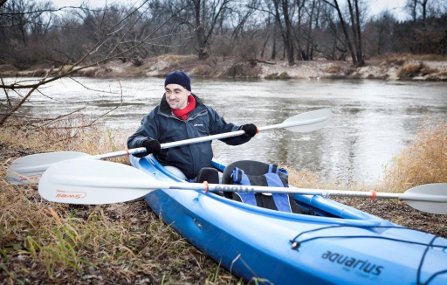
(410, 70)
(49, 243)
(276, 76)
(336, 69)
(431, 57)
(402, 57)
(423, 161)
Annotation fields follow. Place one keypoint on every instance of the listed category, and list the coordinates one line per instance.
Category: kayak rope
(434, 275)
(422, 262)
(296, 244)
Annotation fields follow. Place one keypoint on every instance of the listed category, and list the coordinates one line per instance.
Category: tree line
(35, 32)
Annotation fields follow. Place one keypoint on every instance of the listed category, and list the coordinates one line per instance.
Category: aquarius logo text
(349, 262)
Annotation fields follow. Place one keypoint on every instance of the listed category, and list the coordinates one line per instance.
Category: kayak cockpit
(315, 207)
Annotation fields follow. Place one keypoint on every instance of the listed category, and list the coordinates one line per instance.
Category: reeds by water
(421, 162)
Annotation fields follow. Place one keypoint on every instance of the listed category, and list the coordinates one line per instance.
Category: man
(179, 116)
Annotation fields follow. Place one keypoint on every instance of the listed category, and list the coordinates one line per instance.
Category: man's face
(177, 96)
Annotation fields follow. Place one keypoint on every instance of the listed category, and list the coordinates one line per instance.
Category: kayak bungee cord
(418, 281)
(422, 262)
(297, 244)
(434, 275)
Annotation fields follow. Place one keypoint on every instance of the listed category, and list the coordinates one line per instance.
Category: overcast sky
(375, 6)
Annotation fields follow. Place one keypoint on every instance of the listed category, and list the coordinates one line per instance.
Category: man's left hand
(249, 129)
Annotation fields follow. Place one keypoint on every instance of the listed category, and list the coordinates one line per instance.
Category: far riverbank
(393, 67)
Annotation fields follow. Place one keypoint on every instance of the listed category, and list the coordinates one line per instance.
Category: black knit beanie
(180, 78)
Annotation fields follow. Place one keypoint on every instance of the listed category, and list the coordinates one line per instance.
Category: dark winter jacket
(162, 125)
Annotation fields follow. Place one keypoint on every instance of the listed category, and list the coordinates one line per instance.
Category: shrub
(275, 76)
(333, 69)
(242, 70)
(421, 162)
(410, 70)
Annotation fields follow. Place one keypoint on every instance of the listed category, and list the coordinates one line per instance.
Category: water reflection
(372, 121)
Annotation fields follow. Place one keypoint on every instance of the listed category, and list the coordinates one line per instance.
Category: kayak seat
(251, 167)
(255, 168)
(208, 174)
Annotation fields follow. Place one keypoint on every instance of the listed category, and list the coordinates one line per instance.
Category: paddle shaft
(170, 144)
(141, 184)
(94, 182)
(286, 125)
(210, 138)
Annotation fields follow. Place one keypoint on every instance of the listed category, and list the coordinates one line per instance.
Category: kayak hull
(337, 245)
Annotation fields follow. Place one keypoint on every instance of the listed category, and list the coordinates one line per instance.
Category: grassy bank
(48, 243)
(126, 243)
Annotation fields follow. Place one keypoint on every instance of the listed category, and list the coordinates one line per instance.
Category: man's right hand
(151, 145)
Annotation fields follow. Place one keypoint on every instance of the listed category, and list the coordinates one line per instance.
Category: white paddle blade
(309, 121)
(430, 198)
(28, 169)
(94, 182)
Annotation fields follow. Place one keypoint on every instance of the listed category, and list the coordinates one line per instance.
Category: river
(373, 120)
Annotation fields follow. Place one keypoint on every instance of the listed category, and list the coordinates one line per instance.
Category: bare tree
(207, 15)
(34, 34)
(422, 9)
(412, 6)
(114, 38)
(307, 23)
(378, 35)
(355, 13)
(353, 39)
(23, 27)
(284, 21)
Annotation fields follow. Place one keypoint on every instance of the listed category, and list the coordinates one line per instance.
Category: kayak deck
(337, 244)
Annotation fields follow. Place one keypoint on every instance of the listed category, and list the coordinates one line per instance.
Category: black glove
(152, 146)
(249, 129)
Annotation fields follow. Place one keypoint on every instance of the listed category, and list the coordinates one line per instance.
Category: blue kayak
(336, 244)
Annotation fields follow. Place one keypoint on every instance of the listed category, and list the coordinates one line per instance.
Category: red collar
(183, 113)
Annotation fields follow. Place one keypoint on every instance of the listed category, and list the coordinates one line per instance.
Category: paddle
(27, 169)
(81, 181)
